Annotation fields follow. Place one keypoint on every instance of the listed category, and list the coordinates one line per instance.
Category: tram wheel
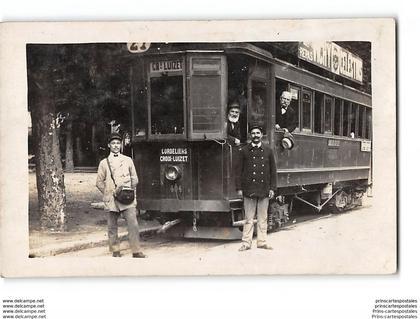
(339, 203)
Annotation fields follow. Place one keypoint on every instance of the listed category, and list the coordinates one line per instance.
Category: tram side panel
(319, 160)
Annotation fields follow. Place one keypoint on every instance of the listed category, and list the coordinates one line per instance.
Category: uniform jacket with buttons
(256, 171)
(124, 173)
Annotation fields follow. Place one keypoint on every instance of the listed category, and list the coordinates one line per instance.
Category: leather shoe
(265, 247)
(139, 255)
(244, 247)
(116, 254)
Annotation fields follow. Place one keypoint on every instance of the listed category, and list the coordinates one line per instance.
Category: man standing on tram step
(286, 116)
(256, 182)
(124, 174)
(233, 129)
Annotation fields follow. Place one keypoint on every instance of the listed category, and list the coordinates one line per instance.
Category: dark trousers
(130, 215)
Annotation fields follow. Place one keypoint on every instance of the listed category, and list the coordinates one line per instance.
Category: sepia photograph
(176, 124)
(217, 157)
(208, 159)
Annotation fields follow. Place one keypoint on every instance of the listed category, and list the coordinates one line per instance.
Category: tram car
(185, 162)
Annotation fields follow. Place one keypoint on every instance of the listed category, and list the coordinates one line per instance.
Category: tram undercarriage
(228, 225)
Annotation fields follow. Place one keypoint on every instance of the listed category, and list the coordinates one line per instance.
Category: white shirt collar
(256, 145)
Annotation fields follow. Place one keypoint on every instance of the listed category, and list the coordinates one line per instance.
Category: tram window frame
(338, 104)
(285, 86)
(328, 98)
(262, 74)
(302, 114)
(362, 121)
(318, 111)
(296, 107)
(151, 75)
(251, 88)
(346, 118)
(368, 126)
(211, 68)
(353, 119)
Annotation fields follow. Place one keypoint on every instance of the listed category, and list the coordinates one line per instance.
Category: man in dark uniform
(286, 116)
(233, 126)
(256, 182)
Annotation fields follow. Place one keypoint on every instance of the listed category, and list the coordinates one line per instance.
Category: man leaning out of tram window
(256, 182)
(123, 174)
(286, 116)
(233, 127)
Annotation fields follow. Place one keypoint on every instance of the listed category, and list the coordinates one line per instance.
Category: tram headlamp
(172, 173)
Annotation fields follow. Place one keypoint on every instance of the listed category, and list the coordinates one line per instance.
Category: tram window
(294, 104)
(346, 111)
(167, 109)
(257, 112)
(353, 119)
(205, 103)
(362, 115)
(288, 118)
(328, 114)
(319, 98)
(368, 130)
(306, 110)
(337, 117)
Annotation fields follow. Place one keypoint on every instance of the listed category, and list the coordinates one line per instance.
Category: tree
(42, 71)
(90, 90)
(70, 85)
(69, 146)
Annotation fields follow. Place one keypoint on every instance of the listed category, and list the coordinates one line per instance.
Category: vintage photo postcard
(198, 148)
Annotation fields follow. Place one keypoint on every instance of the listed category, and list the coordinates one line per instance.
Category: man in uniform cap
(124, 174)
(256, 182)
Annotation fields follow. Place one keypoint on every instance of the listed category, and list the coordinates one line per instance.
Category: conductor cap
(255, 126)
(114, 136)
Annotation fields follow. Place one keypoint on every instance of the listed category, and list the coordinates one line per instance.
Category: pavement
(44, 244)
(328, 243)
(360, 241)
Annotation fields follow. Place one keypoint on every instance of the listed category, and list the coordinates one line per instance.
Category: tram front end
(184, 162)
(188, 187)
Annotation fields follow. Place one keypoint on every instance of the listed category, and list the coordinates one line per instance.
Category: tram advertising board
(333, 58)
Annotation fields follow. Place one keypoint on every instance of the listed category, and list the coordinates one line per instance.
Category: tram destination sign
(332, 57)
(166, 66)
(174, 155)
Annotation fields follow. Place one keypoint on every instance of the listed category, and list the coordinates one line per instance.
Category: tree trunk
(94, 145)
(69, 147)
(79, 152)
(49, 171)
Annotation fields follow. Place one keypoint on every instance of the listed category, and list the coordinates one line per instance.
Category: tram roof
(284, 69)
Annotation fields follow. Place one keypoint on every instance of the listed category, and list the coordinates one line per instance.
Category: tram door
(260, 99)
